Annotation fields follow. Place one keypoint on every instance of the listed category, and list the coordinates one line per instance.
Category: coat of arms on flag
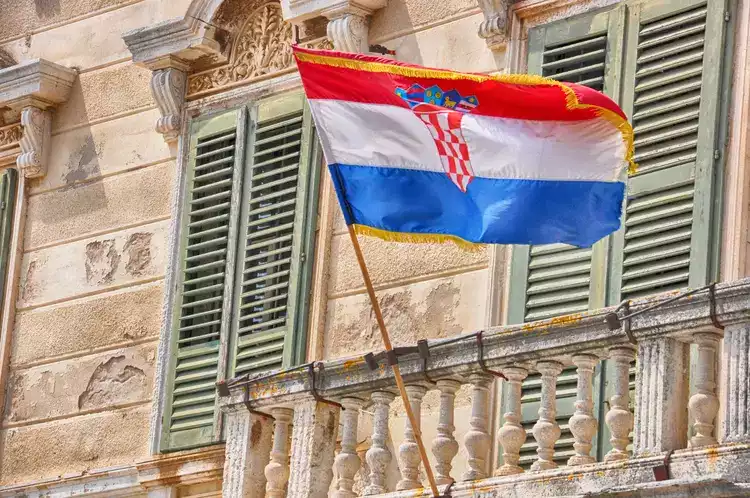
(414, 156)
(441, 112)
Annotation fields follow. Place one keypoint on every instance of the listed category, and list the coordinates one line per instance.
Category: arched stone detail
(260, 44)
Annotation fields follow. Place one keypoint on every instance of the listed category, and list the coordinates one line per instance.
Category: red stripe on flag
(496, 98)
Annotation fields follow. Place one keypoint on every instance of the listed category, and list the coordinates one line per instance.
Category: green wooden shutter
(278, 207)
(671, 92)
(8, 187)
(558, 279)
(203, 299)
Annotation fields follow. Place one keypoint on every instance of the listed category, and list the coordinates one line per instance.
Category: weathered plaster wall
(89, 305)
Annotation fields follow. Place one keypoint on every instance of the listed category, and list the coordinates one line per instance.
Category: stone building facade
(170, 236)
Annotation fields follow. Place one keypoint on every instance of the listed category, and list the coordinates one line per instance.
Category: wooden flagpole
(396, 372)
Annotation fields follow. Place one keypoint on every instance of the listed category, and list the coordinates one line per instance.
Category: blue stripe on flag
(492, 211)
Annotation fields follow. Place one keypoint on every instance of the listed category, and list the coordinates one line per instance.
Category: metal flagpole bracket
(480, 358)
(314, 391)
(661, 472)
(422, 348)
(247, 404)
(614, 322)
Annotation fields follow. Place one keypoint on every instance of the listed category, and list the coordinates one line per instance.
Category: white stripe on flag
(388, 136)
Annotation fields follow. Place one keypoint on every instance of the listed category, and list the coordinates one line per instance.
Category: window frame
(200, 109)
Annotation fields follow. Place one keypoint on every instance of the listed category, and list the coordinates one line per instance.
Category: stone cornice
(173, 43)
(30, 89)
(38, 83)
(503, 346)
(296, 11)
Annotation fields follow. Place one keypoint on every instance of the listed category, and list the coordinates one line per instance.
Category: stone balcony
(282, 435)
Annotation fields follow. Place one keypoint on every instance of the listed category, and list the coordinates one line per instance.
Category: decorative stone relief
(168, 88)
(349, 33)
(10, 135)
(37, 127)
(494, 27)
(263, 46)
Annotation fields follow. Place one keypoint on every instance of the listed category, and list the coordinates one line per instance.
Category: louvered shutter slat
(191, 417)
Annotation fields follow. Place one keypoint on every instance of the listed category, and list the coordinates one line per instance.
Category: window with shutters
(247, 226)
(653, 58)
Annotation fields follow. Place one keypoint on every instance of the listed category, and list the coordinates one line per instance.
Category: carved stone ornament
(494, 27)
(168, 88)
(349, 33)
(31, 89)
(262, 46)
(37, 127)
(10, 135)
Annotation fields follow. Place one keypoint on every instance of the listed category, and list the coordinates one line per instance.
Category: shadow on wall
(81, 165)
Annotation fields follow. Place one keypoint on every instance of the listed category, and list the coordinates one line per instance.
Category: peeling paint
(102, 260)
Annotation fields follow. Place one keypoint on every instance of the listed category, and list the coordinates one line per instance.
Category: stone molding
(160, 472)
(297, 11)
(494, 28)
(510, 345)
(169, 49)
(32, 89)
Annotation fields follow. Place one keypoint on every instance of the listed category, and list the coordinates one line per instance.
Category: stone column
(583, 424)
(477, 439)
(546, 430)
(347, 461)
(277, 471)
(408, 452)
(445, 446)
(736, 382)
(379, 456)
(704, 405)
(247, 452)
(661, 396)
(618, 418)
(512, 435)
(314, 434)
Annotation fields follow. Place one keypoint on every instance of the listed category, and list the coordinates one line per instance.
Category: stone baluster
(277, 470)
(618, 418)
(582, 423)
(314, 434)
(736, 379)
(546, 430)
(445, 446)
(512, 435)
(408, 452)
(477, 439)
(704, 405)
(379, 456)
(661, 396)
(347, 461)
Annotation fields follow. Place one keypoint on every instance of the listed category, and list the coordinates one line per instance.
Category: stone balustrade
(666, 411)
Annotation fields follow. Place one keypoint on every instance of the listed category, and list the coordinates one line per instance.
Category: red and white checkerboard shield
(445, 128)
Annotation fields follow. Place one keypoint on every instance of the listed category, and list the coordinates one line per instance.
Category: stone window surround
(29, 92)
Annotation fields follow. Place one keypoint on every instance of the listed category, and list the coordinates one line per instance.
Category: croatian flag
(420, 154)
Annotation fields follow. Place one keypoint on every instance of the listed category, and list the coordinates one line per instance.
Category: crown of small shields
(417, 94)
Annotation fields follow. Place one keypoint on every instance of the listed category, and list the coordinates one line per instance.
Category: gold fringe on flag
(417, 238)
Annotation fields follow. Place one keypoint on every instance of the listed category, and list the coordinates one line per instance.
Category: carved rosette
(263, 46)
(36, 125)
